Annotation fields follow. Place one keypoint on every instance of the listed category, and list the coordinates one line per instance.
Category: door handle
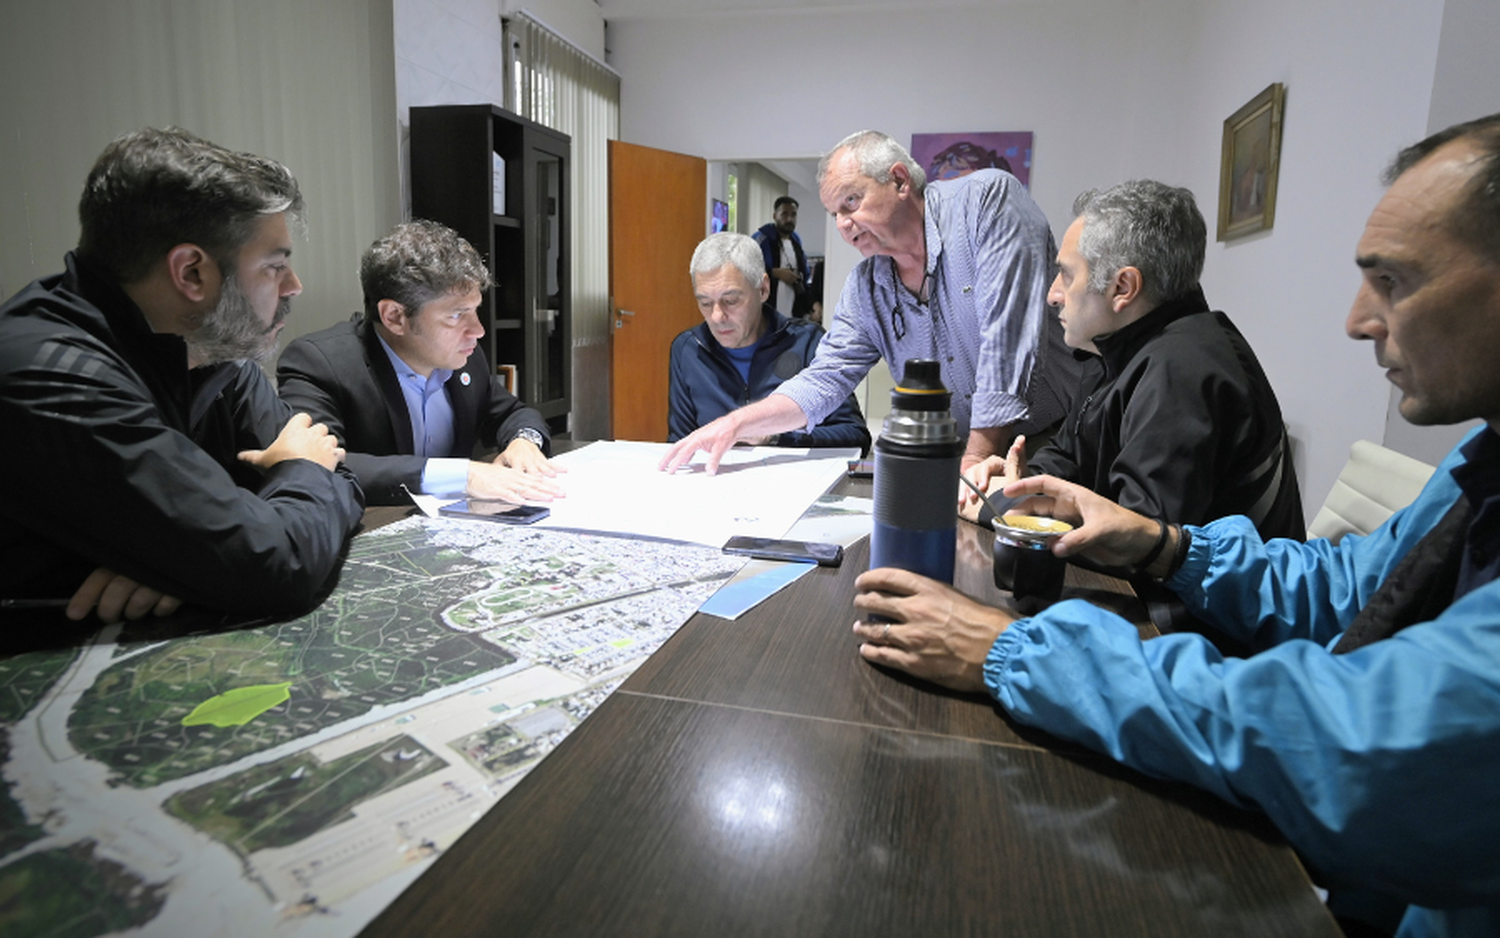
(621, 312)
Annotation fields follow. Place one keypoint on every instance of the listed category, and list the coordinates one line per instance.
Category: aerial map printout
(291, 778)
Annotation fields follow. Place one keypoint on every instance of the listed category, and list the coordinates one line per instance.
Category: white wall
(310, 85)
(1358, 77)
(447, 52)
(1112, 90)
(451, 51)
(880, 70)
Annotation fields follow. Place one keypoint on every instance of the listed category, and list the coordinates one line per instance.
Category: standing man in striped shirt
(957, 272)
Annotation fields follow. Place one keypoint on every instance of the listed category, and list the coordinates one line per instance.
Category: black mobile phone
(491, 509)
(770, 548)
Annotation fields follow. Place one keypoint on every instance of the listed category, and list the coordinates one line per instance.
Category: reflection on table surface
(757, 777)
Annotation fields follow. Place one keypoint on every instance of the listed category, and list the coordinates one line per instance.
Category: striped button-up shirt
(990, 263)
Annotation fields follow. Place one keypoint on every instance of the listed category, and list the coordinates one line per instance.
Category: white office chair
(1375, 483)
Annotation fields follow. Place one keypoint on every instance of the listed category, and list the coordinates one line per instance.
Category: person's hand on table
(493, 480)
(714, 438)
(1102, 531)
(762, 420)
(114, 596)
(299, 439)
(935, 633)
(990, 473)
(527, 457)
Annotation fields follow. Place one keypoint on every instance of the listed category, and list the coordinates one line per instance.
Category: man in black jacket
(407, 387)
(151, 462)
(1175, 420)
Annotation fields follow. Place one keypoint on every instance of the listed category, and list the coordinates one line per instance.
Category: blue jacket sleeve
(1379, 765)
(1266, 592)
(682, 416)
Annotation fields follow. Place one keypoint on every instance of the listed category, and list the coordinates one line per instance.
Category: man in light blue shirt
(407, 387)
(956, 271)
(1367, 723)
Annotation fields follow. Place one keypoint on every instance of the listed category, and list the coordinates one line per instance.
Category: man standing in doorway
(786, 262)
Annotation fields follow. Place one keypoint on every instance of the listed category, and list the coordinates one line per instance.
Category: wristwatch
(531, 436)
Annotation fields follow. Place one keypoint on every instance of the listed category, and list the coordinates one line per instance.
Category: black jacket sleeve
(310, 382)
(503, 414)
(108, 482)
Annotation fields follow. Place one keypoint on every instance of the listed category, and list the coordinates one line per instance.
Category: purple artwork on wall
(948, 156)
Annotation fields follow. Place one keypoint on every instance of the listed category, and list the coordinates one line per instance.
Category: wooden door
(657, 216)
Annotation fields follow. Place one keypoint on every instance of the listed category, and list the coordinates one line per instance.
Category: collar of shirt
(1479, 477)
(427, 405)
(933, 234)
(1119, 348)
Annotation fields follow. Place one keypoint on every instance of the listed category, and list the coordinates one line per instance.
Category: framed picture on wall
(1250, 164)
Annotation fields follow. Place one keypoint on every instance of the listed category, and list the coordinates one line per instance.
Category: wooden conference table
(757, 777)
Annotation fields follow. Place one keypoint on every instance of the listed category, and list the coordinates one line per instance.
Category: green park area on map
(354, 653)
(511, 641)
(72, 892)
(239, 706)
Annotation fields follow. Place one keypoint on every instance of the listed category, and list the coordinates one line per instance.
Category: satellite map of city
(292, 777)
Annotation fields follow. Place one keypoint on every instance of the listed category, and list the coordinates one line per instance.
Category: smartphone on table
(492, 509)
(771, 548)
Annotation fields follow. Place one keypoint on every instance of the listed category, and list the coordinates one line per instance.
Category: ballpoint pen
(995, 510)
(49, 603)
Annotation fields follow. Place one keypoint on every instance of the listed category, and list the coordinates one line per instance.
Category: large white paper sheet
(615, 487)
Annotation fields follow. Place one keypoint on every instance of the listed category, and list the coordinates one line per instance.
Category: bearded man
(151, 461)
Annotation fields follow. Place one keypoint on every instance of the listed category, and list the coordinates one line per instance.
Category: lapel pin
(463, 378)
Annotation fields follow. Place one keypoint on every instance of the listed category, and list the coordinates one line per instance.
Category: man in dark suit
(407, 388)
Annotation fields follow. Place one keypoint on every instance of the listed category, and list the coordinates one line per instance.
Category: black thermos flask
(916, 477)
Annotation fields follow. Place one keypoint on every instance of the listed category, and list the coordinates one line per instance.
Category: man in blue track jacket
(744, 349)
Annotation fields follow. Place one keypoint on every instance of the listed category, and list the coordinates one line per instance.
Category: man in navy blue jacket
(744, 349)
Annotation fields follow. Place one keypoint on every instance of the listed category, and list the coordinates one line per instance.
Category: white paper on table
(432, 504)
(760, 491)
